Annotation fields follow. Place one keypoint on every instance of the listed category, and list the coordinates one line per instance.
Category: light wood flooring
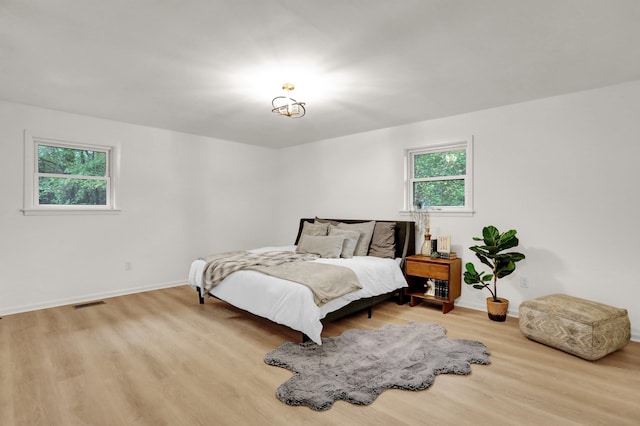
(160, 358)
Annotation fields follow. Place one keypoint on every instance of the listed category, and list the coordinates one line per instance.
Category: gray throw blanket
(326, 282)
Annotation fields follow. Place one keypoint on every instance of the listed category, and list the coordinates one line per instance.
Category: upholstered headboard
(405, 235)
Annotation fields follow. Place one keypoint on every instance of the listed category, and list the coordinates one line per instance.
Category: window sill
(62, 212)
(449, 213)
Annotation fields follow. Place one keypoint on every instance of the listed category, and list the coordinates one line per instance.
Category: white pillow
(329, 247)
(350, 240)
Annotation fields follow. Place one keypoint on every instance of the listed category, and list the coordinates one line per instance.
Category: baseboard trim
(483, 307)
(87, 298)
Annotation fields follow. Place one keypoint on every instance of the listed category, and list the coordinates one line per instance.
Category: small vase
(497, 310)
(426, 246)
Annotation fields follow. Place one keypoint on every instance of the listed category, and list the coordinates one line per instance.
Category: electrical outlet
(128, 265)
(524, 282)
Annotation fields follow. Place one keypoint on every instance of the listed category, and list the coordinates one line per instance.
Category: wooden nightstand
(447, 274)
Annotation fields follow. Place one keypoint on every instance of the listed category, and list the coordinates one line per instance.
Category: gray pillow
(350, 240)
(324, 246)
(383, 242)
(366, 228)
(332, 222)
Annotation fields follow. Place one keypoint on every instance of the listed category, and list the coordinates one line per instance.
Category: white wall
(563, 171)
(182, 196)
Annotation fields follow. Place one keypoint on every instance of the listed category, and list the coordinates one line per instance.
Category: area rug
(359, 365)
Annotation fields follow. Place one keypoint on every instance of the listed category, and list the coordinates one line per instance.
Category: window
(439, 176)
(65, 177)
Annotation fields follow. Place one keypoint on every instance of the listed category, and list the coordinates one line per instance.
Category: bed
(292, 304)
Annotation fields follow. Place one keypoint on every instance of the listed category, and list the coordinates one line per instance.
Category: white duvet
(291, 304)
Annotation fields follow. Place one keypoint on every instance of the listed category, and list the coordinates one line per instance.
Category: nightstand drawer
(428, 270)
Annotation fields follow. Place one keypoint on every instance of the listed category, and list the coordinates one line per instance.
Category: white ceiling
(211, 67)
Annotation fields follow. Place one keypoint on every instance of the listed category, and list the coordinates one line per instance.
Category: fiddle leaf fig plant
(492, 254)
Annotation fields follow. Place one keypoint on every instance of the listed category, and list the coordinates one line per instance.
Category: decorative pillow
(383, 242)
(366, 228)
(314, 229)
(350, 240)
(324, 246)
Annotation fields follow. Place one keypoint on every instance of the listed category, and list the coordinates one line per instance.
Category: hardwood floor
(160, 358)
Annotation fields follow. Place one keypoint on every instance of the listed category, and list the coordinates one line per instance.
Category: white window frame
(32, 204)
(455, 144)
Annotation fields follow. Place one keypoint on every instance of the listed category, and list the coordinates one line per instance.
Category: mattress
(291, 304)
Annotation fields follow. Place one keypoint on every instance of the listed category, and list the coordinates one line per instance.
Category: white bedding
(291, 304)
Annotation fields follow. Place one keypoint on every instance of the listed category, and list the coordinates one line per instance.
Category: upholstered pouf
(580, 327)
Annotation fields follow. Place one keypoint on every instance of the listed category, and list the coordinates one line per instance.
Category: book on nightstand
(442, 289)
(452, 255)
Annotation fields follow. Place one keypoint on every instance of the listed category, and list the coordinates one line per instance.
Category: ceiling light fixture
(286, 106)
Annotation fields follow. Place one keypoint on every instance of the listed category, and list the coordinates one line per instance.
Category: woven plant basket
(497, 310)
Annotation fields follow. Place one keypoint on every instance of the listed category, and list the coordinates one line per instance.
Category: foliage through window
(439, 177)
(67, 176)
(72, 176)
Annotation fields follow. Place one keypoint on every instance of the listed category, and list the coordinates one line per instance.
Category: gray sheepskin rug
(359, 365)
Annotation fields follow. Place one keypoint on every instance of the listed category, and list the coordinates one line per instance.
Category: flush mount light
(286, 106)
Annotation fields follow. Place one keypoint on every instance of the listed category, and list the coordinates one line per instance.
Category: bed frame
(405, 246)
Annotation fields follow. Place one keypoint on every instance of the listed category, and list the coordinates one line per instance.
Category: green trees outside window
(439, 178)
(72, 176)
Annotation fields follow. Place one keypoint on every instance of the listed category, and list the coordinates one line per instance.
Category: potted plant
(492, 253)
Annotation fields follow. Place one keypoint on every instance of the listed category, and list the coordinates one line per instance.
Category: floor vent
(86, 305)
